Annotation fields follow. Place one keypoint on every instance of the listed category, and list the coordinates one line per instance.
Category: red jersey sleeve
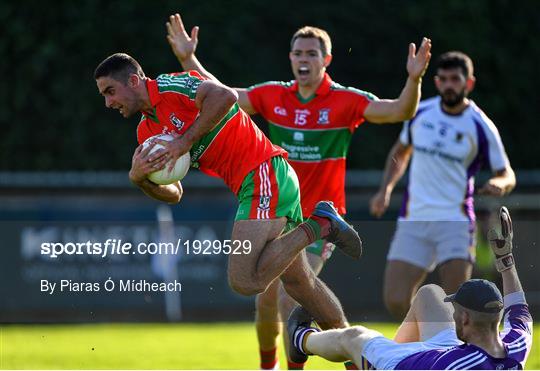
(360, 101)
(265, 92)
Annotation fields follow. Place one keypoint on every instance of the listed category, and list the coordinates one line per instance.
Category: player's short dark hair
(308, 32)
(456, 59)
(119, 66)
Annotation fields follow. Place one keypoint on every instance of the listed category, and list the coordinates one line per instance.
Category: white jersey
(448, 150)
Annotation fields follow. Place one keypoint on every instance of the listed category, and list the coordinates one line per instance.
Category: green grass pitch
(151, 346)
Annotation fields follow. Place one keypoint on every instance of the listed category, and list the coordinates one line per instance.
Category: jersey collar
(323, 89)
(153, 92)
(155, 98)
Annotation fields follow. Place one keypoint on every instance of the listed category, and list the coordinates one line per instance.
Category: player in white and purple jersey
(449, 139)
(455, 332)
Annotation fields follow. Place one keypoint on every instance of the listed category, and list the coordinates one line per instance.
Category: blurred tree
(53, 117)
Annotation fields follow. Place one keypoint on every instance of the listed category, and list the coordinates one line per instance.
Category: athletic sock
(295, 366)
(316, 228)
(365, 365)
(299, 335)
(269, 359)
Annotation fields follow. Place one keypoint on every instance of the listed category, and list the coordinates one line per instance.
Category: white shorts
(385, 354)
(428, 244)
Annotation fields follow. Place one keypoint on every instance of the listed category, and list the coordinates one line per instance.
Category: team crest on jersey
(179, 124)
(459, 137)
(324, 116)
(264, 203)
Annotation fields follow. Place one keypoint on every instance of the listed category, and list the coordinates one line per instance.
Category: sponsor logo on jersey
(300, 116)
(298, 136)
(179, 124)
(280, 111)
(324, 118)
(427, 125)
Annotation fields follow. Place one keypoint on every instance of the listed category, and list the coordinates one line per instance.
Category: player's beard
(451, 99)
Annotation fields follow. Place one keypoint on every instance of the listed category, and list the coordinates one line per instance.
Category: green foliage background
(53, 118)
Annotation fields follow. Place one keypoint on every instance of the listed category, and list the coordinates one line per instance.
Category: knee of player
(245, 287)
(429, 292)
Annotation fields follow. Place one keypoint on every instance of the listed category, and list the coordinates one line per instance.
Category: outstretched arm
(184, 46)
(404, 107)
(396, 164)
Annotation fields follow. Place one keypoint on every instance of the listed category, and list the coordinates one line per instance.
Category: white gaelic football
(163, 176)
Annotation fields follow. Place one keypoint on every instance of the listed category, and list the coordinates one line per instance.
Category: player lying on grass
(223, 141)
(459, 331)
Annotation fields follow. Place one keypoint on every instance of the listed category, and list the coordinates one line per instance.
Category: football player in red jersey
(313, 118)
(206, 119)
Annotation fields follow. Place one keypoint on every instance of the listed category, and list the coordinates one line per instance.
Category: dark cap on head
(478, 295)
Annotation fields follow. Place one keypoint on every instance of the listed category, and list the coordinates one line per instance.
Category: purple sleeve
(517, 332)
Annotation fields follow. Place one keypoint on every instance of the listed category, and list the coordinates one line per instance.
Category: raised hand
(501, 241)
(182, 44)
(417, 63)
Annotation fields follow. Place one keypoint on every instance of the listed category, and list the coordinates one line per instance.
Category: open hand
(501, 241)
(417, 63)
(182, 44)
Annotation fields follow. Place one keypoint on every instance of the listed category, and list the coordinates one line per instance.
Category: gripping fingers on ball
(160, 162)
(157, 155)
